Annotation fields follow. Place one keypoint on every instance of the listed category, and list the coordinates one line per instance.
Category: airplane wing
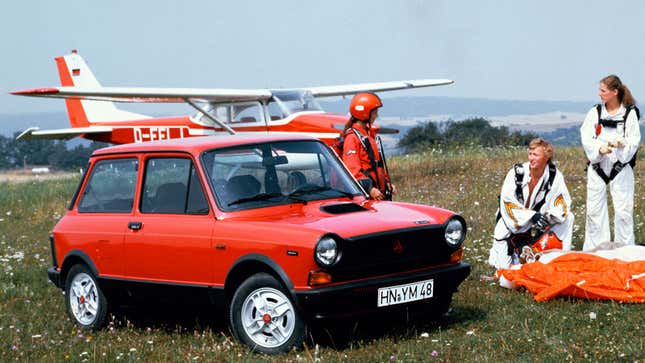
(328, 91)
(35, 133)
(180, 95)
(153, 95)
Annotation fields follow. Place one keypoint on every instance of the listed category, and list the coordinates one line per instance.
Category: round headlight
(326, 252)
(455, 232)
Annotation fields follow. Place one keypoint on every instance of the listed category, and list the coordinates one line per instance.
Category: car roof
(198, 144)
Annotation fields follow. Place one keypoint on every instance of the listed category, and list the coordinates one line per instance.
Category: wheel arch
(248, 265)
(72, 258)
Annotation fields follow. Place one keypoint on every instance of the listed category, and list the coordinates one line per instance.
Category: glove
(540, 221)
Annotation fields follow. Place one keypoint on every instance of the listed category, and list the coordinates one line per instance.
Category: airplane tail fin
(74, 72)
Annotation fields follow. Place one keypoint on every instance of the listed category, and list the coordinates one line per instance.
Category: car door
(169, 237)
(104, 208)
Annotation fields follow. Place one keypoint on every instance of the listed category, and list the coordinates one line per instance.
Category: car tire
(433, 311)
(86, 303)
(263, 316)
(439, 308)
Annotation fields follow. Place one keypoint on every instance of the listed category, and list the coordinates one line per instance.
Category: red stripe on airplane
(75, 111)
(36, 91)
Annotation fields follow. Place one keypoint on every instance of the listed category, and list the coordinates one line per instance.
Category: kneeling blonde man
(534, 195)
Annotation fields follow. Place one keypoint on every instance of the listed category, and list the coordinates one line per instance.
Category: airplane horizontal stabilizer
(34, 133)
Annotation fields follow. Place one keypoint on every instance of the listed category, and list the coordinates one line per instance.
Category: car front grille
(392, 252)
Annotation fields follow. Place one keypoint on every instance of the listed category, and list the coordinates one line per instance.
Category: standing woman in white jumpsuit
(610, 137)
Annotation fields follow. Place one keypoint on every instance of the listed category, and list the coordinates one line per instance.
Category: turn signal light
(319, 278)
(457, 255)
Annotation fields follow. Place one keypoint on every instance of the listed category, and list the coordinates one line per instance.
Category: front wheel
(86, 304)
(263, 317)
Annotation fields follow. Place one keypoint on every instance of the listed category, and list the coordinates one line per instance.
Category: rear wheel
(263, 317)
(86, 303)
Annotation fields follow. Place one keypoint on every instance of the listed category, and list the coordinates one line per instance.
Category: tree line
(19, 153)
(473, 131)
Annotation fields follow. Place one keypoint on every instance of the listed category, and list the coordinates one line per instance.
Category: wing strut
(218, 122)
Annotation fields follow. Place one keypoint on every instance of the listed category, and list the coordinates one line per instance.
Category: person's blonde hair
(548, 147)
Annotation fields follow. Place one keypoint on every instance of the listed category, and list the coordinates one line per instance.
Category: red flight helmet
(363, 104)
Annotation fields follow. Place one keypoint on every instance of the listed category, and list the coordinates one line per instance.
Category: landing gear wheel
(86, 304)
(263, 317)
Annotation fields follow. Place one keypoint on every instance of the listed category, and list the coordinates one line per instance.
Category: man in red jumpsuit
(360, 150)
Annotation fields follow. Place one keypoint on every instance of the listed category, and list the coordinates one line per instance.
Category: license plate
(400, 294)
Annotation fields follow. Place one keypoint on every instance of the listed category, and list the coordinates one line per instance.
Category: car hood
(343, 218)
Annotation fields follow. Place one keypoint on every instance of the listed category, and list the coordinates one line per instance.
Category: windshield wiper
(266, 196)
(314, 189)
(293, 195)
(257, 197)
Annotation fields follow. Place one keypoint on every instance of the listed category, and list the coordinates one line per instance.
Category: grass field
(486, 322)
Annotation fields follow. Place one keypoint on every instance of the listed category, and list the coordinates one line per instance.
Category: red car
(274, 228)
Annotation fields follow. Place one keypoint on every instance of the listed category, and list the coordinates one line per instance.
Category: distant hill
(404, 113)
(401, 107)
(570, 136)
(457, 108)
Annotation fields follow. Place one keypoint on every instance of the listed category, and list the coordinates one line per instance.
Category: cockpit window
(232, 113)
(285, 103)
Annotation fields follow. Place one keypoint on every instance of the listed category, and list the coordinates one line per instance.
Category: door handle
(135, 226)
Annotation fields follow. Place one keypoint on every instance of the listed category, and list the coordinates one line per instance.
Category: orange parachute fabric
(583, 275)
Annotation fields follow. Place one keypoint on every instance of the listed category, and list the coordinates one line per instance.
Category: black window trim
(89, 173)
(72, 202)
(160, 155)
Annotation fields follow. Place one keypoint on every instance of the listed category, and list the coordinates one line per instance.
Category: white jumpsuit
(621, 187)
(516, 218)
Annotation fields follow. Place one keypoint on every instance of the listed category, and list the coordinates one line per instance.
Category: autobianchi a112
(273, 228)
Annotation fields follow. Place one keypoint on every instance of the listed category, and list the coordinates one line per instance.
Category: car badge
(398, 247)
(422, 222)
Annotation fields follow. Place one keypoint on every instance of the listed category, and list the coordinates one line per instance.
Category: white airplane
(93, 114)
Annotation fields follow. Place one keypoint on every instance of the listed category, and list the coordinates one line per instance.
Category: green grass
(486, 323)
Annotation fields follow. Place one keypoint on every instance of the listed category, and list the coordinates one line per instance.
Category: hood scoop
(342, 208)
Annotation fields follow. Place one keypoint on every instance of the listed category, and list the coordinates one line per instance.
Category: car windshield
(260, 175)
(285, 103)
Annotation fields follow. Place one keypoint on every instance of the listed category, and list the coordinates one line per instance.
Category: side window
(110, 187)
(221, 113)
(248, 112)
(274, 111)
(171, 185)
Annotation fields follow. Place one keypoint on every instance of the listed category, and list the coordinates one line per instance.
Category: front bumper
(54, 276)
(360, 297)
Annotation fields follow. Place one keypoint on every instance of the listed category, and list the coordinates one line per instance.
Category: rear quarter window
(110, 188)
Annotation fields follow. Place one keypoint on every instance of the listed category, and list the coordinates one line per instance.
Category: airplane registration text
(142, 134)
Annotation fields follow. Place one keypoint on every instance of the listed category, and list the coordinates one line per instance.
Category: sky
(517, 50)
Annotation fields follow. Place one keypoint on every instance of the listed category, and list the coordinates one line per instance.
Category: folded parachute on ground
(617, 274)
